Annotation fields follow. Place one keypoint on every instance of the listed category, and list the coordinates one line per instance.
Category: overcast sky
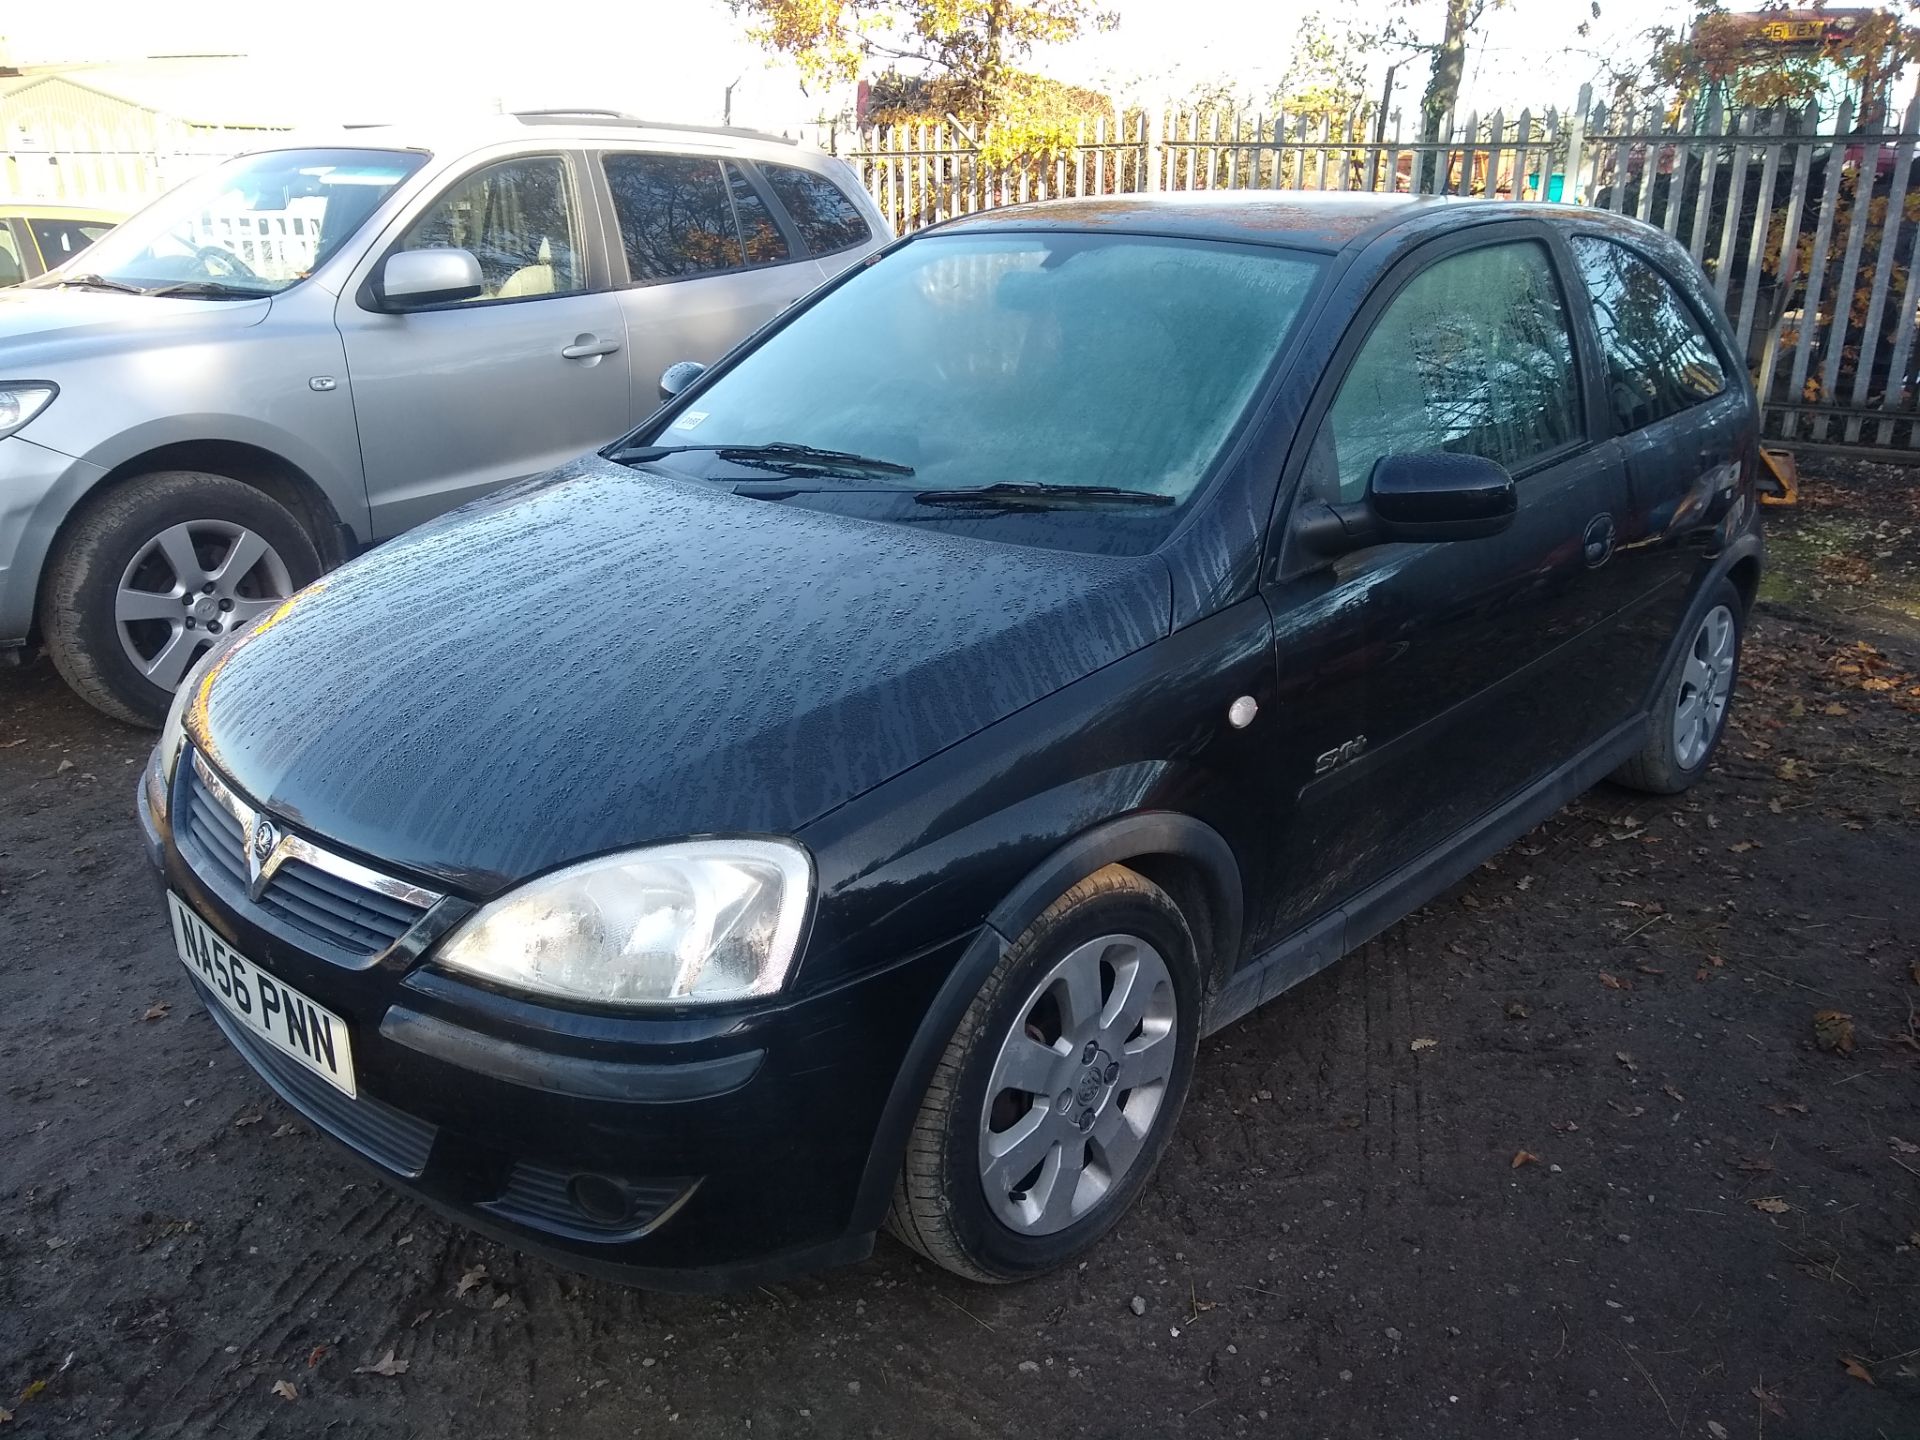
(672, 59)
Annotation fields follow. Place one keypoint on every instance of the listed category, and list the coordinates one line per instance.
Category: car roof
(1300, 220)
(570, 127)
(50, 210)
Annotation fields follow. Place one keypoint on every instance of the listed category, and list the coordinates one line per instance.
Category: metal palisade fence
(1808, 231)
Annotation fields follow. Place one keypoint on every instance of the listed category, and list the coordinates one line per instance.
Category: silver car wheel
(189, 585)
(1706, 684)
(1077, 1084)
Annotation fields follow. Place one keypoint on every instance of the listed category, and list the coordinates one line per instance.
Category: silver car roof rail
(572, 115)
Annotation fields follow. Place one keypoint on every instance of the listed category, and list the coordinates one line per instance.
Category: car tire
(123, 545)
(957, 1200)
(1690, 712)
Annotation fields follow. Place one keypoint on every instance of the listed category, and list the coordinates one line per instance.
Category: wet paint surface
(620, 658)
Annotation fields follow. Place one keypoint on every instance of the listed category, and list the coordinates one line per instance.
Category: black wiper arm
(209, 290)
(780, 455)
(1008, 493)
(98, 282)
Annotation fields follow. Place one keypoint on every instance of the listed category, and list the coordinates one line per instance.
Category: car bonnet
(615, 658)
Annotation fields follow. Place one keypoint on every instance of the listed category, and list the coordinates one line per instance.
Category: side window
(822, 212)
(675, 216)
(61, 240)
(519, 219)
(12, 270)
(1659, 359)
(1474, 356)
(758, 229)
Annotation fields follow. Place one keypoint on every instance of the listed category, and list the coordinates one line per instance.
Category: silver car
(310, 349)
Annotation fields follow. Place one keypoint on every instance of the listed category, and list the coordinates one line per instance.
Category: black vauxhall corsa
(848, 800)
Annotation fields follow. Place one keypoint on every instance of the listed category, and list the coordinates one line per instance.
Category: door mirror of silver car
(676, 378)
(1414, 499)
(412, 278)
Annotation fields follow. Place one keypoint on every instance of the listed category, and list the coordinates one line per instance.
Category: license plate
(272, 1009)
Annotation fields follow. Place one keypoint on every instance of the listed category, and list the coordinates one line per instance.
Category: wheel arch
(1185, 857)
(272, 474)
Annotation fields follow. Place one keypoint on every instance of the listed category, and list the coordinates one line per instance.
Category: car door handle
(586, 346)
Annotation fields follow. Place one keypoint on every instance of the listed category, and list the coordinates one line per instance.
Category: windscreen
(1046, 358)
(253, 226)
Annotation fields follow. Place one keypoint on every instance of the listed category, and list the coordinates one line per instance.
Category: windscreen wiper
(782, 456)
(209, 290)
(97, 282)
(1009, 493)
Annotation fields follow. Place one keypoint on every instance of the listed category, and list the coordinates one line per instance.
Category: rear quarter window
(1660, 359)
(823, 213)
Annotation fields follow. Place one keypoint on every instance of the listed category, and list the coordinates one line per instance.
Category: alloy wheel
(189, 585)
(1078, 1083)
(1706, 684)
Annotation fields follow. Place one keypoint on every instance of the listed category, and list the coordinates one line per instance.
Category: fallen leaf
(1614, 982)
(1625, 1059)
(157, 1012)
(252, 1117)
(500, 1300)
(1515, 1010)
(1423, 1043)
(1741, 847)
(1776, 807)
(1770, 1400)
(1716, 1430)
(1701, 974)
(1673, 1094)
(1770, 1205)
(472, 1278)
(1856, 1368)
(1903, 1147)
(1754, 1164)
(6, 1416)
(1524, 1157)
(420, 1319)
(285, 1128)
(1833, 1030)
(1649, 969)
(1566, 1127)
(1784, 1107)
(316, 1355)
(1789, 770)
(385, 1365)
(33, 1389)
(1913, 972)
(284, 1389)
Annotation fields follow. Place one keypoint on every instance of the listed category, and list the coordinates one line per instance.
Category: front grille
(538, 1196)
(323, 899)
(384, 1135)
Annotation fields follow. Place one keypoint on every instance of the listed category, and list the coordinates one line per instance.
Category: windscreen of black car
(1659, 359)
(1048, 358)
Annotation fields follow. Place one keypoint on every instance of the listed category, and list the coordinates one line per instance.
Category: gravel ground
(1561, 1155)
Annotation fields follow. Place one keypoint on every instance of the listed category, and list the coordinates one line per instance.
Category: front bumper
(38, 489)
(699, 1151)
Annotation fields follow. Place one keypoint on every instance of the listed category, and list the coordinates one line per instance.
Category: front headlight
(700, 922)
(21, 400)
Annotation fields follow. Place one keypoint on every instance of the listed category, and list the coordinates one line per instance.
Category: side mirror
(1417, 499)
(429, 277)
(676, 378)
